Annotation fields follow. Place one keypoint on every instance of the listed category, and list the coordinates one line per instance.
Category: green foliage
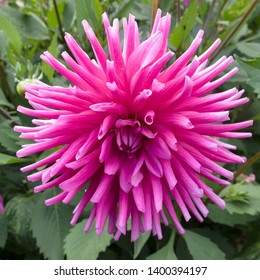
(51, 16)
(242, 199)
(53, 49)
(68, 14)
(8, 138)
(19, 212)
(140, 242)
(225, 218)
(79, 246)
(29, 26)
(251, 250)
(185, 25)
(122, 9)
(166, 252)
(251, 69)
(91, 11)
(202, 248)
(12, 34)
(3, 231)
(6, 159)
(236, 10)
(50, 225)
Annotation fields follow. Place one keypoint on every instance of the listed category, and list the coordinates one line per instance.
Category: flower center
(128, 136)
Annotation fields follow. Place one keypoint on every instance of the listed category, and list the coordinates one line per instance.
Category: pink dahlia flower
(141, 133)
(2, 208)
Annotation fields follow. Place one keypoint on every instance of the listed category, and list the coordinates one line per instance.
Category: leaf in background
(3, 230)
(68, 15)
(141, 12)
(202, 248)
(121, 10)
(236, 10)
(82, 246)
(50, 225)
(140, 242)
(19, 211)
(251, 68)
(225, 218)
(8, 138)
(242, 199)
(250, 49)
(166, 252)
(90, 10)
(6, 159)
(52, 18)
(251, 248)
(185, 25)
(219, 238)
(11, 33)
(28, 26)
(3, 43)
(53, 49)
(3, 100)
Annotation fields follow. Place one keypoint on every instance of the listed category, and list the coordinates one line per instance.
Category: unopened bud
(20, 86)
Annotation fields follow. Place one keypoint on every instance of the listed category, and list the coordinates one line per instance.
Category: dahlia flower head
(137, 135)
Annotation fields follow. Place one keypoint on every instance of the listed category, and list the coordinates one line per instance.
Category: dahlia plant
(138, 129)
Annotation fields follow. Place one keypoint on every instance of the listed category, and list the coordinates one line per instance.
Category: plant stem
(206, 24)
(59, 21)
(217, 18)
(235, 28)
(154, 10)
(252, 160)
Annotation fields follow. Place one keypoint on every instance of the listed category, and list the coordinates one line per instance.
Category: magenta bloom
(141, 134)
(2, 208)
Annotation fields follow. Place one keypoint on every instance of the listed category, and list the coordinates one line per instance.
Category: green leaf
(140, 242)
(6, 159)
(3, 43)
(3, 100)
(8, 138)
(122, 10)
(236, 10)
(219, 239)
(82, 246)
(19, 212)
(68, 15)
(3, 230)
(50, 225)
(251, 248)
(53, 49)
(235, 205)
(251, 70)
(28, 26)
(52, 17)
(250, 66)
(166, 252)
(90, 10)
(185, 25)
(202, 248)
(225, 218)
(11, 33)
(250, 49)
